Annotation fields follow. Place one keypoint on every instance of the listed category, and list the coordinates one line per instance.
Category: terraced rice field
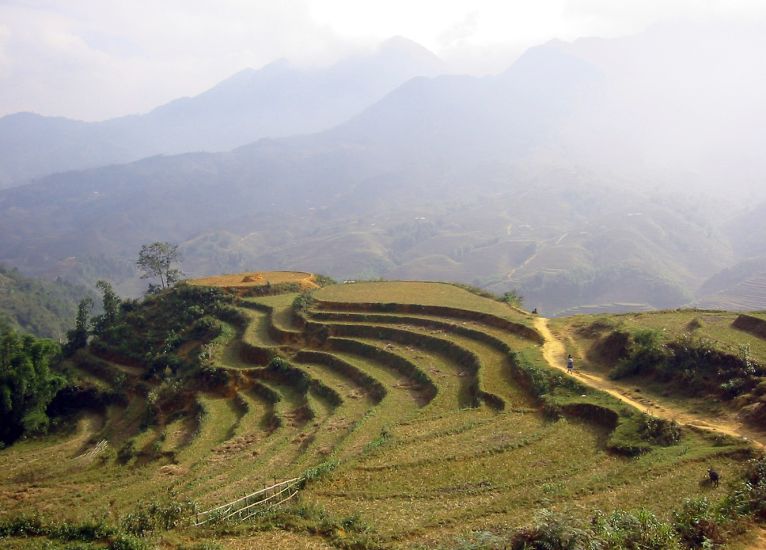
(407, 388)
(744, 296)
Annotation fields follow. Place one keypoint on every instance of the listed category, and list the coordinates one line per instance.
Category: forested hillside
(43, 308)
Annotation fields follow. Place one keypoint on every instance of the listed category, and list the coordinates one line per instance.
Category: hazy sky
(93, 59)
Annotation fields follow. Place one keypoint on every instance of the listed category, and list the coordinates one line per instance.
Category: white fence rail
(249, 505)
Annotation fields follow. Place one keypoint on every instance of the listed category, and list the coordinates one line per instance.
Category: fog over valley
(591, 174)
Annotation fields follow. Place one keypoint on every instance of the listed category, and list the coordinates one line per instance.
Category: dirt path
(555, 355)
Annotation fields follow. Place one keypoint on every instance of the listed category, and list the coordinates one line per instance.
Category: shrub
(613, 347)
(27, 383)
(699, 365)
(697, 523)
(640, 530)
(659, 431)
(205, 328)
(749, 497)
(303, 302)
(126, 452)
(645, 355)
(551, 531)
(514, 298)
(157, 516)
(232, 315)
(324, 280)
(320, 471)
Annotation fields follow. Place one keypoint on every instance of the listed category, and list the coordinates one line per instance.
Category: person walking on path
(570, 363)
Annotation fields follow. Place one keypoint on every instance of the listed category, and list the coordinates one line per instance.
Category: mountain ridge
(274, 101)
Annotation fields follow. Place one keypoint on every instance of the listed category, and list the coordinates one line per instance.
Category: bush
(26, 526)
(514, 298)
(128, 542)
(322, 470)
(126, 452)
(324, 280)
(27, 383)
(659, 431)
(205, 328)
(551, 531)
(303, 302)
(645, 355)
(639, 530)
(613, 347)
(697, 523)
(749, 497)
(157, 516)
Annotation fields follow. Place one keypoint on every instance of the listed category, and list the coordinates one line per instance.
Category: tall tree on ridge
(156, 261)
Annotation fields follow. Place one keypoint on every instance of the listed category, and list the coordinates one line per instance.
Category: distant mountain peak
(402, 47)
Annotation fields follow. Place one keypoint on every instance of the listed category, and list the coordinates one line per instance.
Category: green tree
(514, 298)
(78, 337)
(27, 385)
(156, 261)
(111, 305)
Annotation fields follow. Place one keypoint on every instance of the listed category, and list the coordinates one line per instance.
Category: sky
(96, 59)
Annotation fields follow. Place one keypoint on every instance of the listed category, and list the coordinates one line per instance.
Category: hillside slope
(377, 414)
(43, 308)
(701, 364)
(453, 178)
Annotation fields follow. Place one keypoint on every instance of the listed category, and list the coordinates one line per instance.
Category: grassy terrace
(399, 401)
(718, 326)
(419, 293)
(494, 374)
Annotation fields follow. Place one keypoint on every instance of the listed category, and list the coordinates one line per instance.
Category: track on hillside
(554, 353)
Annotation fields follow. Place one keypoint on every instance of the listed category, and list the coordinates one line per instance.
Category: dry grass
(257, 278)
(419, 293)
(416, 474)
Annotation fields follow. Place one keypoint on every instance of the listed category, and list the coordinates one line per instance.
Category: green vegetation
(35, 306)
(156, 260)
(77, 338)
(133, 531)
(27, 384)
(689, 361)
(514, 298)
(153, 331)
(406, 414)
(680, 358)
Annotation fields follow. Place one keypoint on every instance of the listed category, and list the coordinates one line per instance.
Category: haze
(56, 57)
(591, 155)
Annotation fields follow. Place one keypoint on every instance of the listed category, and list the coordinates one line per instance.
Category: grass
(257, 331)
(218, 422)
(282, 308)
(494, 371)
(713, 325)
(413, 466)
(451, 378)
(420, 293)
(257, 279)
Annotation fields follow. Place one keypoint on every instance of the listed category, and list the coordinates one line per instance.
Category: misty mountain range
(275, 101)
(553, 177)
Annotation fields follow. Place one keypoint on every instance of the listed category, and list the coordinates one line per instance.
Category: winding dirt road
(555, 355)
